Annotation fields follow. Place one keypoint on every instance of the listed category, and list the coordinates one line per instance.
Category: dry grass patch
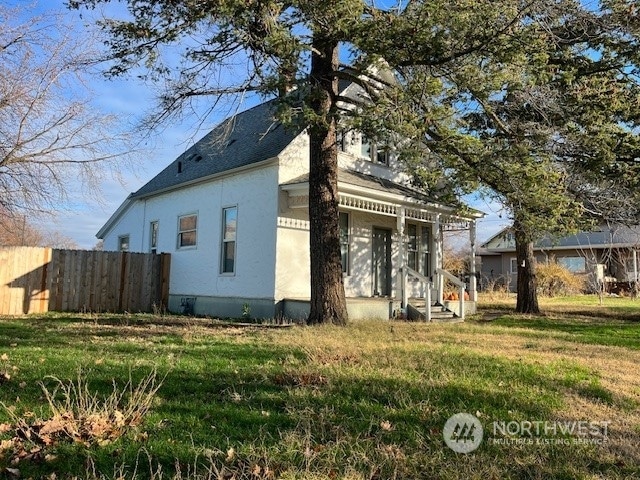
(368, 401)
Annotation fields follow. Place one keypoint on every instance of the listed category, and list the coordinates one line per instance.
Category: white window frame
(224, 242)
(153, 242)
(179, 244)
(345, 241)
(421, 250)
(128, 243)
(374, 151)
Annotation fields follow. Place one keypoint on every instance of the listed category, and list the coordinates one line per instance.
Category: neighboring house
(233, 212)
(616, 249)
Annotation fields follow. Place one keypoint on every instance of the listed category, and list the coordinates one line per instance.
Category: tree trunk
(527, 286)
(328, 303)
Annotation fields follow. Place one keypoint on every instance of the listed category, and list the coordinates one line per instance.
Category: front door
(381, 262)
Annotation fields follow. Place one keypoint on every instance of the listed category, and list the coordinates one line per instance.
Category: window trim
(224, 241)
(180, 232)
(128, 243)
(346, 269)
(153, 248)
(374, 149)
(419, 249)
(513, 261)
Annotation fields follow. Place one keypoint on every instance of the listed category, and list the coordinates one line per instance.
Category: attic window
(179, 167)
(231, 142)
(198, 158)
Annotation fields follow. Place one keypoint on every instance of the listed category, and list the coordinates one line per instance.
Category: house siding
(195, 271)
(128, 224)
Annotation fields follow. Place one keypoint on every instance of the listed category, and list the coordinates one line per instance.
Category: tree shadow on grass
(220, 394)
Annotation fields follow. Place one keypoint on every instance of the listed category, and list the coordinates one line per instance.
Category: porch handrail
(408, 271)
(442, 274)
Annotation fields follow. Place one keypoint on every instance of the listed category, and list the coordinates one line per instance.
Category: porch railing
(426, 284)
(441, 276)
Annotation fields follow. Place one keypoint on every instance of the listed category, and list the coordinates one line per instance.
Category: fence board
(37, 280)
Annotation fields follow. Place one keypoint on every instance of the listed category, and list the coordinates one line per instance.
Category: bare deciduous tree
(51, 139)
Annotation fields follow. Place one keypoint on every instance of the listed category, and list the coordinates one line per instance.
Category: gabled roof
(249, 137)
(617, 236)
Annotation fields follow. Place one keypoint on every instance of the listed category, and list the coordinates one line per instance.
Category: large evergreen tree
(534, 101)
(545, 119)
(230, 47)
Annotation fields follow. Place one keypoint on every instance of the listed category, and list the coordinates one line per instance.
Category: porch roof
(359, 191)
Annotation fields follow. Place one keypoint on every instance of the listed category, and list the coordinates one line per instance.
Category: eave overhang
(359, 198)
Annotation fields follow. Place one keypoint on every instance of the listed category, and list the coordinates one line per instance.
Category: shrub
(555, 280)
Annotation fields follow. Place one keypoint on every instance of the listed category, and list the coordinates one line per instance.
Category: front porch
(381, 309)
(392, 249)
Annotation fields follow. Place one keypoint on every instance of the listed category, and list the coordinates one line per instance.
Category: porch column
(437, 256)
(473, 287)
(402, 276)
(635, 272)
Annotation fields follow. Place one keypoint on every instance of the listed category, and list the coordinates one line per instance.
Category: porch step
(417, 311)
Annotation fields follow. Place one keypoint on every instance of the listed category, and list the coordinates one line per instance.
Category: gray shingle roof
(603, 236)
(247, 138)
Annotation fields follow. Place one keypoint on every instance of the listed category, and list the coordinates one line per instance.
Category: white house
(232, 211)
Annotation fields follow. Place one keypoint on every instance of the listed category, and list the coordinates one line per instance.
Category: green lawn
(368, 401)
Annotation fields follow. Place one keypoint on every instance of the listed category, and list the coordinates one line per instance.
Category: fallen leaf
(13, 471)
(6, 445)
(386, 425)
(4, 357)
(231, 453)
(5, 427)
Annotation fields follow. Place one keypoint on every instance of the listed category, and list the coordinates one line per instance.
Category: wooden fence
(38, 280)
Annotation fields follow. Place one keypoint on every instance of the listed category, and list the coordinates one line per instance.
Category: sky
(129, 99)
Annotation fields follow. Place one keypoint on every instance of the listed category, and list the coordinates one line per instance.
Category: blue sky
(129, 99)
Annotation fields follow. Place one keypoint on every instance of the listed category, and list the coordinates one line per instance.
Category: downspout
(144, 228)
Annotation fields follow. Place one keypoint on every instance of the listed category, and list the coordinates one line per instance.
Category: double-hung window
(418, 248)
(187, 230)
(229, 229)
